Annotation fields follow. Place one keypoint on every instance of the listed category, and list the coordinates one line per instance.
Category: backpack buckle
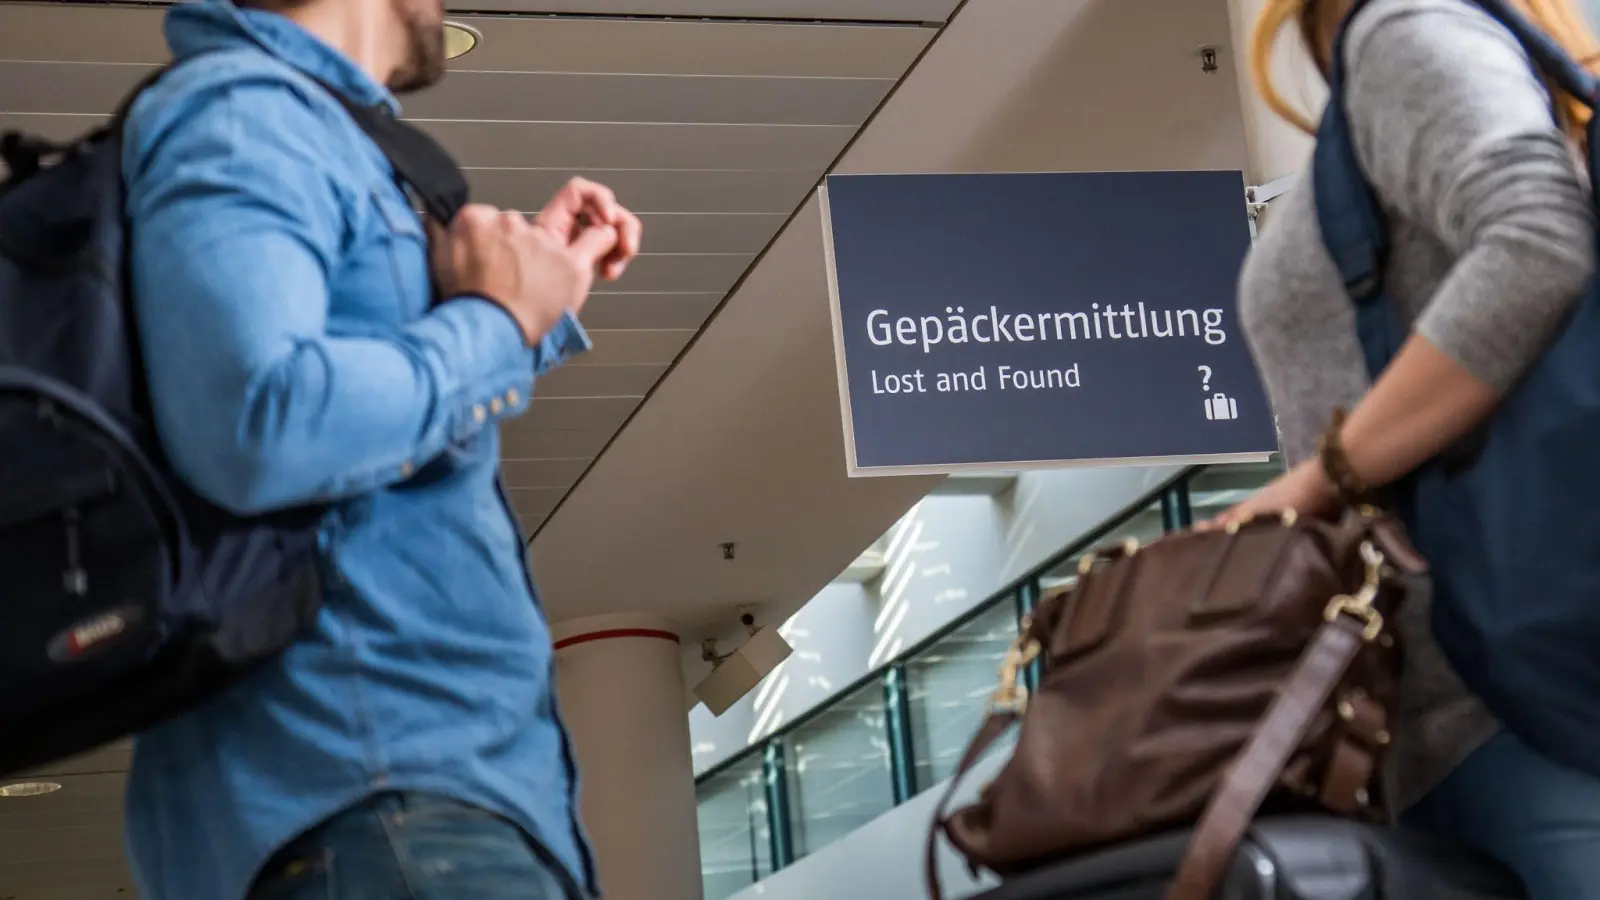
(24, 155)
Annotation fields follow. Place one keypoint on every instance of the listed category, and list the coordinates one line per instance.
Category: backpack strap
(419, 161)
(1353, 226)
(1354, 229)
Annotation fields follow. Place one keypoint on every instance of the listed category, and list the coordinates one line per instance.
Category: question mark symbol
(1205, 378)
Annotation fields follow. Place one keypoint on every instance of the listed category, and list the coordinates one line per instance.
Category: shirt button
(406, 468)
(479, 414)
(513, 397)
(495, 406)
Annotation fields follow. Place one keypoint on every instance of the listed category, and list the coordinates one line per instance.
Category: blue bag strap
(1353, 227)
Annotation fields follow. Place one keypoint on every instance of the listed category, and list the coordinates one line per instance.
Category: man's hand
(583, 204)
(530, 270)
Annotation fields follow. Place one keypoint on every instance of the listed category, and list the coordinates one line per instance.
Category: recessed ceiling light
(29, 789)
(459, 39)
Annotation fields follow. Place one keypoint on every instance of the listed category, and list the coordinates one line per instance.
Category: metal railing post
(902, 748)
(775, 774)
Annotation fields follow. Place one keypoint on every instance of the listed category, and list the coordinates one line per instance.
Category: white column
(1275, 147)
(620, 683)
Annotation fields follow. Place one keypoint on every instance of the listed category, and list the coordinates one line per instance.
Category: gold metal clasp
(1011, 696)
(1360, 605)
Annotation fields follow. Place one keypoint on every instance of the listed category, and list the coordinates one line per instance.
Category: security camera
(735, 674)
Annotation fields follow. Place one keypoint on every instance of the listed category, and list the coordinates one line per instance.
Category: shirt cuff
(566, 340)
(497, 381)
(485, 368)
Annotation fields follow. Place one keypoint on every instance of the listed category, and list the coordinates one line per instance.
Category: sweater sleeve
(1456, 133)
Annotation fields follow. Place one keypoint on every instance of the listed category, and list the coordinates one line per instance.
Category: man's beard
(424, 62)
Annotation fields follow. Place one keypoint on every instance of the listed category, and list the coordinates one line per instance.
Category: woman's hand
(1423, 402)
(1304, 489)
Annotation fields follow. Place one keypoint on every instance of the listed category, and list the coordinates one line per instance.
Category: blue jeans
(413, 847)
(1539, 818)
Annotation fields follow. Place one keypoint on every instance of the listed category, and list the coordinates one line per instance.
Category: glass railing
(902, 728)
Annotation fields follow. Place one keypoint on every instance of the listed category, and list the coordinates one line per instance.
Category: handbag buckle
(1010, 696)
(1360, 604)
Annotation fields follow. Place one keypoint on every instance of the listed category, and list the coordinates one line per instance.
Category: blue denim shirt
(284, 304)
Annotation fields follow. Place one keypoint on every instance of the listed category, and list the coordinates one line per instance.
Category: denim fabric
(295, 355)
(1538, 817)
(414, 847)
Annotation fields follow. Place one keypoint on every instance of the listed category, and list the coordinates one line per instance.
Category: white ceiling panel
(636, 145)
(552, 444)
(573, 414)
(749, 190)
(59, 87)
(598, 382)
(846, 10)
(572, 147)
(649, 311)
(545, 473)
(682, 272)
(710, 232)
(536, 502)
(65, 844)
(642, 47)
(58, 31)
(633, 348)
(567, 97)
(32, 86)
(110, 34)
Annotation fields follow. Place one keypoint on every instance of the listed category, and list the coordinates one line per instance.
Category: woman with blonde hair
(1491, 244)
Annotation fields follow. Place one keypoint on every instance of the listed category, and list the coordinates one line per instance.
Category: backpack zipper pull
(75, 579)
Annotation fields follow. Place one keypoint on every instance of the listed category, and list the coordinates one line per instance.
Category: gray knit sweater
(1493, 240)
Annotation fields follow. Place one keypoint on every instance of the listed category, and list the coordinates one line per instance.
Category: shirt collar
(206, 25)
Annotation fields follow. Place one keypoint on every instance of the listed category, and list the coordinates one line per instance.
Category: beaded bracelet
(1336, 465)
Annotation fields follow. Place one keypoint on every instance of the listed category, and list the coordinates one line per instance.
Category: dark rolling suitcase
(1281, 859)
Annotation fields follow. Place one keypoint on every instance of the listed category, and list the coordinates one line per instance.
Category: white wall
(948, 554)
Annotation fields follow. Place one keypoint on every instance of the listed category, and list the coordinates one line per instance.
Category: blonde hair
(1560, 19)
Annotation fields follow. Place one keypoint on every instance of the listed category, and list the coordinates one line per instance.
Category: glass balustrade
(902, 729)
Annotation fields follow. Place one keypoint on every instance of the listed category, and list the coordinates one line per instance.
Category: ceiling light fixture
(29, 789)
(459, 39)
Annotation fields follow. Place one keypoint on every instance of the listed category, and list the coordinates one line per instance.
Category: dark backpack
(126, 598)
(1510, 519)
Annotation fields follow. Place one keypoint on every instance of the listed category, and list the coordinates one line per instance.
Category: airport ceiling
(714, 119)
(716, 127)
(711, 123)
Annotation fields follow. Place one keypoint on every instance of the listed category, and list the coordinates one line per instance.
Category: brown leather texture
(1195, 680)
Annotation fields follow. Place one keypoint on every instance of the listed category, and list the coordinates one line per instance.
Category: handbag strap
(995, 725)
(1260, 764)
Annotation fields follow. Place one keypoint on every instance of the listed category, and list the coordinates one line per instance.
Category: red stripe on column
(614, 634)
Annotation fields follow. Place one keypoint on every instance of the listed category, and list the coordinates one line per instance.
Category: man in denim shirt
(410, 746)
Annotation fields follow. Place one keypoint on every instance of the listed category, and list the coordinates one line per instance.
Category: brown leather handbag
(1194, 680)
